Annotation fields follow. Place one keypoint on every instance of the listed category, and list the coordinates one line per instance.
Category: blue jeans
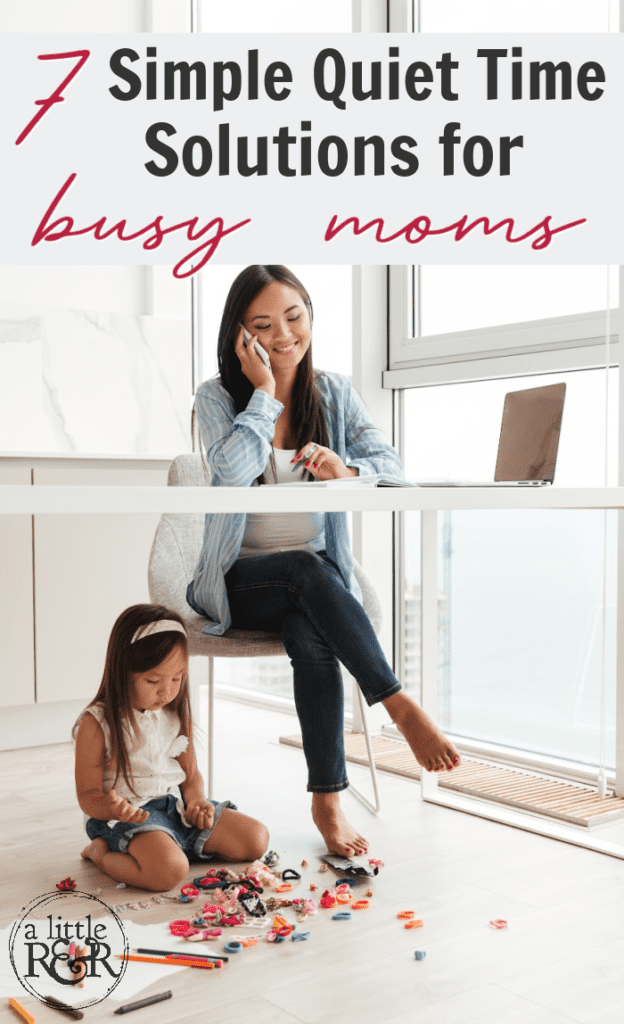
(302, 595)
(163, 817)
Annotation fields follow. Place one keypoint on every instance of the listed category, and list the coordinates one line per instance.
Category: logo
(40, 943)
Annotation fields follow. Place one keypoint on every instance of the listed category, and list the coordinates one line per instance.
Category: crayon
(56, 1004)
(148, 1001)
(23, 1012)
(207, 964)
(183, 956)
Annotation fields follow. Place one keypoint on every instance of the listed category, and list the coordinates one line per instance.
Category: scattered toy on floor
(348, 866)
(67, 885)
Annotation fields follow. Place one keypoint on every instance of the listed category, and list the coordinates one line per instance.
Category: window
(516, 15)
(520, 598)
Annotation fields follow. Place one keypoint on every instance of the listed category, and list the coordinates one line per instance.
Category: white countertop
(56, 499)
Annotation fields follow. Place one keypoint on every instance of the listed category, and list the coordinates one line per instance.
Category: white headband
(159, 626)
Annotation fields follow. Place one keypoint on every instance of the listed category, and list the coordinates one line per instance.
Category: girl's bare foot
(95, 850)
(340, 836)
(429, 746)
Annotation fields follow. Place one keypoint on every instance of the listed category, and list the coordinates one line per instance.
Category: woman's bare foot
(340, 836)
(429, 746)
(95, 851)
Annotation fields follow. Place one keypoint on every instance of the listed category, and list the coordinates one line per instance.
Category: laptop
(529, 440)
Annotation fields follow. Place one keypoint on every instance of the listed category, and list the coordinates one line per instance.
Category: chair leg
(210, 751)
(376, 806)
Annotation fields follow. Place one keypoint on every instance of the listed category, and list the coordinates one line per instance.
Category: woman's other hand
(323, 463)
(254, 368)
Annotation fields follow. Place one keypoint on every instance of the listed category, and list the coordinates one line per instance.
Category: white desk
(41, 500)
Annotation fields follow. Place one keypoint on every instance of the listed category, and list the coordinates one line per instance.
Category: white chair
(174, 555)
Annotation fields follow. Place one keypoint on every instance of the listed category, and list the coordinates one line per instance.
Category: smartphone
(258, 348)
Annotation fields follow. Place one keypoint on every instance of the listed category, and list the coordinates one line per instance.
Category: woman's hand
(323, 463)
(121, 810)
(254, 368)
(200, 813)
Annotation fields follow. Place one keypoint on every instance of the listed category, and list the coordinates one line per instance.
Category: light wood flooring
(560, 960)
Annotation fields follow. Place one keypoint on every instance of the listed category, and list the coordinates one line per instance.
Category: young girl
(136, 775)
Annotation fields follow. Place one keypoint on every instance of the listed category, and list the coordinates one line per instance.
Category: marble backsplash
(93, 383)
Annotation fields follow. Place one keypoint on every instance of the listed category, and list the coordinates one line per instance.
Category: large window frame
(556, 345)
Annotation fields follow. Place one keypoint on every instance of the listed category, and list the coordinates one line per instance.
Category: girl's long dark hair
(308, 418)
(122, 659)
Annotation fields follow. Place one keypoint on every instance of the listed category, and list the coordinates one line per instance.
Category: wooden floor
(561, 958)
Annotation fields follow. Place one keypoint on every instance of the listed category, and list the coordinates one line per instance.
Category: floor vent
(515, 787)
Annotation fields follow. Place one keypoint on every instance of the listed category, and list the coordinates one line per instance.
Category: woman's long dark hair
(122, 659)
(308, 417)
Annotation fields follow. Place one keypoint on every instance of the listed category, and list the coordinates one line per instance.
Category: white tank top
(151, 755)
(266, 532)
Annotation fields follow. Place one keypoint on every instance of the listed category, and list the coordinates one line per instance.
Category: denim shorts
(163, 817)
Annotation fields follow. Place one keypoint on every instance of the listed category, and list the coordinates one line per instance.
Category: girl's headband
(159, 626)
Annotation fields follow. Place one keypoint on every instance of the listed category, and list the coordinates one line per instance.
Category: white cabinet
(17, 676)
(88, 568)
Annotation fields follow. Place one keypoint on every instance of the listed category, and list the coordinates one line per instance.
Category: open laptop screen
(530, 434)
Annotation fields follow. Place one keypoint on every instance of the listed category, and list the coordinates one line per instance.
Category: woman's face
(279, 317)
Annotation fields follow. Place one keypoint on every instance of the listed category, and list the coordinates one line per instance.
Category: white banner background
(568, 169)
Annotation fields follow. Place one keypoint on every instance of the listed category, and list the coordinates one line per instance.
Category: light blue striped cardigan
(237, 451)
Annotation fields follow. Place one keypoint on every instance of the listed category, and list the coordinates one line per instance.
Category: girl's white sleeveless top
(152, 757)
(266, 532)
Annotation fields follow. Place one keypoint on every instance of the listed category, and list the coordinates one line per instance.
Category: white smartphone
(257, 347)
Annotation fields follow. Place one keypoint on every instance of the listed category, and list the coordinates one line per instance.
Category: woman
(293, 574)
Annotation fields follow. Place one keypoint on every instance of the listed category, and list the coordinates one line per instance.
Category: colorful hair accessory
(304, 864)
(286, 930)
(405, 915)
(414, 924)
(307, 906)
(290, 873)
(351, 882)
(279, 938)
(344, 897)
(360, 905)
(324, 867)
(328, 900)
(498, 923)
(270, 936)
(160, 626)
(420, 954)
(279, 922)
(342, 915)
(300, 936)
(376, 863)
(249, 940)
(284, 887)
(66, 885)
(313, 887)
(369, 892)
(232, 947)
(190, 890)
